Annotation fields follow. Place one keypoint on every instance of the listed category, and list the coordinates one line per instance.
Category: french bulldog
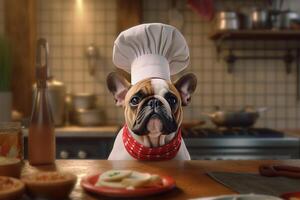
(153, 111)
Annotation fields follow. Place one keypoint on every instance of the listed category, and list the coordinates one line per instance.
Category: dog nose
(153, 103)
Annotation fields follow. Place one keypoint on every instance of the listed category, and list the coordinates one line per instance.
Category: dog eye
(135, 101)
(172, 100)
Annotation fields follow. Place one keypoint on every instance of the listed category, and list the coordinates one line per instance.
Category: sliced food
(115, 175)
(128, 179)
(110, 184)
(155, 181)
(137, 179)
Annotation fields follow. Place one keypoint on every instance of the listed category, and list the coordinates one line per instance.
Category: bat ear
(118, 86)
(186, 86)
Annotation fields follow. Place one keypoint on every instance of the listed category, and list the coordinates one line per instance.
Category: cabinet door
(80, 148)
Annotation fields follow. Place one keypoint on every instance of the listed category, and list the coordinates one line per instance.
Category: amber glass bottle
(41, 138)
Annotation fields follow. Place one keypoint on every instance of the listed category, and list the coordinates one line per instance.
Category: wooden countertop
(190, 176)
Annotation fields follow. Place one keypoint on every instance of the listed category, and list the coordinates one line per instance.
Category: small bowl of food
(10, 167)
(50, 185)
(11, 188)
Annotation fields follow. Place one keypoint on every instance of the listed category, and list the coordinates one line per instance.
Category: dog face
(152, 105)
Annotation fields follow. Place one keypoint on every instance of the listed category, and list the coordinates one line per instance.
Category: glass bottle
(41, 137)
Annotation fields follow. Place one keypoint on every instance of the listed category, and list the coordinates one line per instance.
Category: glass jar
(11, 140)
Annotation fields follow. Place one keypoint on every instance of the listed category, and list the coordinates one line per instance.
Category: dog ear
(118, 86)
(186, 86)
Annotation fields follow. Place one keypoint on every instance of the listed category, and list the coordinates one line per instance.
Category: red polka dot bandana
(140, 152)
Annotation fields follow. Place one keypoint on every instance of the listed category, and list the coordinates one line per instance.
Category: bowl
(83, 101)
(10, 167)
(50, 185)
(91, 117)
(227, 20)
(11, 188)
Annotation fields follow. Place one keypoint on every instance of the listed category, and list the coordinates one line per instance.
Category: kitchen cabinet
(129, 14)
(80, 147)
(20, 28)
(82, 142)
(97, 142)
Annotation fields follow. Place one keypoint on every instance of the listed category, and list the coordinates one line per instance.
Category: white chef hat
(151, 51)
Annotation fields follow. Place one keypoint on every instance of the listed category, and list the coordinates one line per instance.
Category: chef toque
(151, 51)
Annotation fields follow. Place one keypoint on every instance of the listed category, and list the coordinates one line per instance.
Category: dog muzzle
(153, 109)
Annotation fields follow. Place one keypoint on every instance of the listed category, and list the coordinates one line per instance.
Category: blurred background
(245, 53)
(70, 26)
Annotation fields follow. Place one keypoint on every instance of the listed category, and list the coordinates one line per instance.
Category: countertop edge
(74, 131)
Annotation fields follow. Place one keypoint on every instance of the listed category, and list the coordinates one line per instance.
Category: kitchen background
(70, 26)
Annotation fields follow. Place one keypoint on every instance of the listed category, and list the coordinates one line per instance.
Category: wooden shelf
(256, 35)
(291, 54)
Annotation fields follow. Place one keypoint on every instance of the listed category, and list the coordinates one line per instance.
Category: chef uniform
(146, 51)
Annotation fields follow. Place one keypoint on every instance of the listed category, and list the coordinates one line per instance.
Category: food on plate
(52, 185)
(128, 179)
(10, 167)
(49, 177)
(115, 175)
(10, 188)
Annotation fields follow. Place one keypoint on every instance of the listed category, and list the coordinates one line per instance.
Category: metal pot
(91, 117)
(275, 19)
(288, 18)
(57, 95)
(260, 19)
(243, 118)
(245, 21)
(227, 20)
(83, 101)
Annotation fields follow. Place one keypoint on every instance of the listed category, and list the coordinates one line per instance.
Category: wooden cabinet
(129, 13)
(20, 28)
(80, 147)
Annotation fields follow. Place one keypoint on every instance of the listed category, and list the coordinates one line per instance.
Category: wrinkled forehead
(154, 86)
(159, 86)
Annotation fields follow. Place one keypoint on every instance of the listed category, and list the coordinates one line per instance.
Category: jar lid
(9, 127)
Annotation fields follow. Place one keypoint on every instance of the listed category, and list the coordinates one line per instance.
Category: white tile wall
(69, 28)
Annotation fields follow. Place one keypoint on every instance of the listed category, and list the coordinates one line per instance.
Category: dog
(153, 110)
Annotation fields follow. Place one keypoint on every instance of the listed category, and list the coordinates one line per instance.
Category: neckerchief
(140, 152)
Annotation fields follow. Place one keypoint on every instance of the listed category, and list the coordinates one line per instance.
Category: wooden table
(190, 176)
